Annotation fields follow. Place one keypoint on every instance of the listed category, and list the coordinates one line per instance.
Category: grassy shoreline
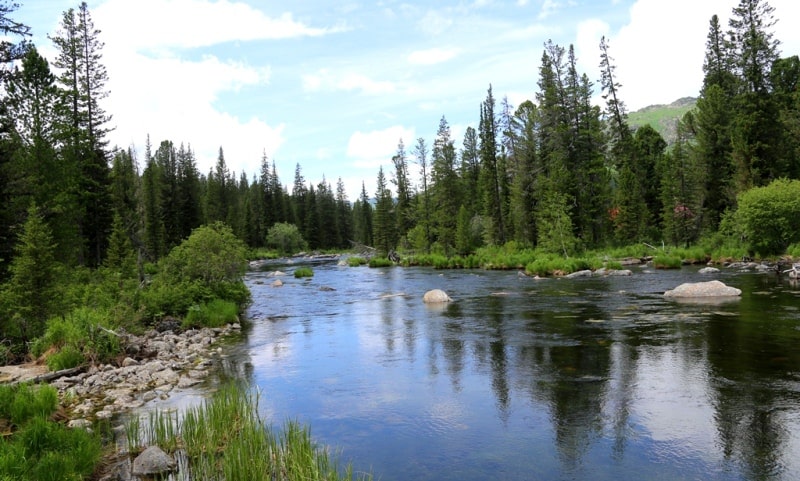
(225, 438)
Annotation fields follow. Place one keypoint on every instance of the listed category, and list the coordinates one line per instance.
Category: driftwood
(50, 376)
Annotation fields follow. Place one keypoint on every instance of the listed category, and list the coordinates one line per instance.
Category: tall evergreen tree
(470, 171)
(404, 214)
(83, 78)
(384, 222)
(424, 202)
(445, 192)
(344, 214)
(490, 180)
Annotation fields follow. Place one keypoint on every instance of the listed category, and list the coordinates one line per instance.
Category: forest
(87, 224)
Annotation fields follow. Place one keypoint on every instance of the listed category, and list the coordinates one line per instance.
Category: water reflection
(524, 379)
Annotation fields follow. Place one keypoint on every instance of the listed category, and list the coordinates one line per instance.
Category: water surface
(525, 379)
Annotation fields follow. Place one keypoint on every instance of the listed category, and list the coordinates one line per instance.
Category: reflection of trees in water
(750, 358)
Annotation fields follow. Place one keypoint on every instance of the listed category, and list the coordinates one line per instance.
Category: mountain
(663, 118)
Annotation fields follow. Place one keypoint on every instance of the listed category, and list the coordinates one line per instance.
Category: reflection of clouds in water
(672, 402)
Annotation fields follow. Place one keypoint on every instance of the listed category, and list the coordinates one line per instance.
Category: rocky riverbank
(156, 364)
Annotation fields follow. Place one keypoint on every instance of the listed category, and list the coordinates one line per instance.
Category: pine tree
(219, 188)
(470, 171)
(490, 180)
(403, 210)
(190, 214)
(32, 291)
(384, 222)
(344, 216)
(421, 155)
(445, 192)
(522, 205)
(83, 80)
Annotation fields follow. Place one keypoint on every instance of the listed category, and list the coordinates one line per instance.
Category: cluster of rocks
(158, 362)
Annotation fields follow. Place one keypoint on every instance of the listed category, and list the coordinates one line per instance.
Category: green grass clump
(229, 423)
(215, 313)
(666, 261)
(38, 448)
(380, 262)
(83, 335)
(356, 261)
(303, 272)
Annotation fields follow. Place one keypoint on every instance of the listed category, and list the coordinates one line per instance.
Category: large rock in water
(703, 289)
(153, 461)
(435, 296)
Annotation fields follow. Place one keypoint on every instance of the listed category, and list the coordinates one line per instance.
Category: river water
(526, 379)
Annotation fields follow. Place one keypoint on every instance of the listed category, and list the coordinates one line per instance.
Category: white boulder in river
(435, 296)
(703, 289)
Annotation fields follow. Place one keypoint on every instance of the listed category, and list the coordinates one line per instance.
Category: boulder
(708, 270)
(153, 461)
(619, 273)
(703, 289)
(277, 283)
(583, 273)
(435, 296)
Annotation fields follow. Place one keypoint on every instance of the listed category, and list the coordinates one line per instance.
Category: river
(527, 379)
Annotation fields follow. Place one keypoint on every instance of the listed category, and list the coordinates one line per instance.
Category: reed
(224, 438)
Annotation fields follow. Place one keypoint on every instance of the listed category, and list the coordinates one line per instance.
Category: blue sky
(334, 86)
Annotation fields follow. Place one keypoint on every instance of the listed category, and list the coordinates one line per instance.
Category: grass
(224, 438)
(37, 448)
(667, 261)
(380, 262)
(303, 272)
(215, 313)
(356, 261)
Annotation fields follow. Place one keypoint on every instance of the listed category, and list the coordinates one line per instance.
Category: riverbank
(155, 365)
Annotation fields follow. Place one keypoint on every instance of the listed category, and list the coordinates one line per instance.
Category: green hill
(663, 118)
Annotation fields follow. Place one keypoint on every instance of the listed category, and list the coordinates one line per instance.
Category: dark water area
(526, 379)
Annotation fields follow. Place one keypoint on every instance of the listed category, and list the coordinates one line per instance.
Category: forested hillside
(556, 173)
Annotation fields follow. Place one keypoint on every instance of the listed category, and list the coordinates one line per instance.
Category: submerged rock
(708, 270)
(436, 296)
(703, 289)
(583, 273)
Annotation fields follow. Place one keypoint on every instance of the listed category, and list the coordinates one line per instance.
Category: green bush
(303, 272)
(67, 357)
(769, 216)
(285, 238)
(209, 265)
(216, 313)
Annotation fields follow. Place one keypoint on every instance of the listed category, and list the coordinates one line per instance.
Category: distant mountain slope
(663, 118)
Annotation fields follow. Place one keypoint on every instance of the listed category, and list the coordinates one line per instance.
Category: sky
(334, 86)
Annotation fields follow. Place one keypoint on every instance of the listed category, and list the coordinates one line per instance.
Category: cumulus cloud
(373, 149)
(195, 23)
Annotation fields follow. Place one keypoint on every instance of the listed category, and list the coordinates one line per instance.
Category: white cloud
(325, 80)
(431, 56)
(160, 24)
(434, 23)
(372, 149)
(549, 7)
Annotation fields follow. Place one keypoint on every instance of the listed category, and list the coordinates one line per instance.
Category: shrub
(303, 272)
(216, 313)
(286, 238)
(770, 216)
(67, 357)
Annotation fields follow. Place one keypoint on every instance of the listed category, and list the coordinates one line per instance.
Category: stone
(79, 424)
(435, 296)
(277, 283)
(583, 273)
(703, 289)
(153, 460)
(708, 270)
(619, 273)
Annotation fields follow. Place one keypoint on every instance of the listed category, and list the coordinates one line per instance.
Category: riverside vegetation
(91, 245)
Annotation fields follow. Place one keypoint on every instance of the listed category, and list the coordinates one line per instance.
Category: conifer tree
(490, 180)
(404, 214)
(445, 193)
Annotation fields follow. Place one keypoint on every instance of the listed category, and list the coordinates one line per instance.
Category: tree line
(556, 172)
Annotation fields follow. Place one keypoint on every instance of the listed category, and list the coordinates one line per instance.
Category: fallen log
(51, 376)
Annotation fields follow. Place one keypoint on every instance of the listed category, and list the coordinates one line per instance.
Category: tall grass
(303, 272)
(37, 448)
(224, 438)
(215, 313)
